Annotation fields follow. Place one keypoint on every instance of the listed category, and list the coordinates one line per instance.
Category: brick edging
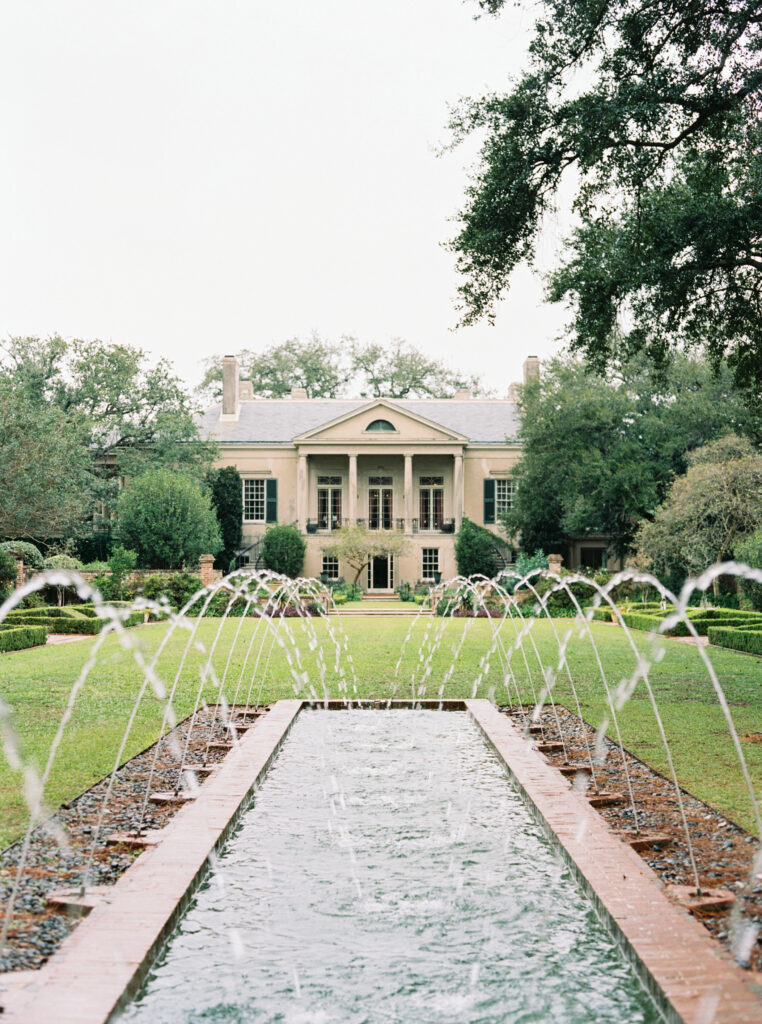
(104, 961)
(682, 968)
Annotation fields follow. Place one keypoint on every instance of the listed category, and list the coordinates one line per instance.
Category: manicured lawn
(36, 685)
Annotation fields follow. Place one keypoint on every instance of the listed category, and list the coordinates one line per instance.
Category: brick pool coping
(688, 975)
(105, 959)
(103, 962)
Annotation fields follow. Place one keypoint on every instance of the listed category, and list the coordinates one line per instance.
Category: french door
(380, 503)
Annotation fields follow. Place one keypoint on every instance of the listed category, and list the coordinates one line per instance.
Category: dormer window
(381, 425)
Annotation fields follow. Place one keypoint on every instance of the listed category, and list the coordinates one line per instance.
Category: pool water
(388, 871)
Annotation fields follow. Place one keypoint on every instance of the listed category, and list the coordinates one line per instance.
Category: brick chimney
(462, 395)
(531, 368)
(230, 400)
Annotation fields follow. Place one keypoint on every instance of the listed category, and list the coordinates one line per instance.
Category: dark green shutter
(489, 501)
(271, 501)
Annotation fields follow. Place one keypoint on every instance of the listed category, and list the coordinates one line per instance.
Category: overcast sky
(199, 176)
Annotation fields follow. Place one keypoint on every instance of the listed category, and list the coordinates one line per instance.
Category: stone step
(378, 612)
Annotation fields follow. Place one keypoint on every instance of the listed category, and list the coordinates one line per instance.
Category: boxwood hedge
(18, 638)
(747, 640)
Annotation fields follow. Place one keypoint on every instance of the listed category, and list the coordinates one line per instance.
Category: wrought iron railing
(433, 525)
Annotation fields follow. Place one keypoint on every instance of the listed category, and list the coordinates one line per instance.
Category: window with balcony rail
(430, 502)
(380, 503)
(329, 502)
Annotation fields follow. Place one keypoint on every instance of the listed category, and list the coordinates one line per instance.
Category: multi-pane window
(504, 492)
(380, 502)
(330, 567)
(329, 502)
(429, 563)
(431, 502)
(254, 501)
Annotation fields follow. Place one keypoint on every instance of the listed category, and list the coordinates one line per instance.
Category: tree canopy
(649, 111)
(708, 511)
(45, 469)
(329, 370)
(128, 412)
(599, 455)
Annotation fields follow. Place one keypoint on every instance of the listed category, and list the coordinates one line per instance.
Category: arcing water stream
(272, 626)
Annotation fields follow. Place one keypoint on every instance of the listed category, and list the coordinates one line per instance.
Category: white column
(408, 491)
(457, 487)
(352, 488)
(302, 493)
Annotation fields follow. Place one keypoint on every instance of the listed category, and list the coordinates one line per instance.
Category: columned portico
(457, 489)
(352, 503)
(408, 489)
(302, 493)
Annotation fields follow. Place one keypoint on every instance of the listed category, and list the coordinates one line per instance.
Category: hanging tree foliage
(650, 111)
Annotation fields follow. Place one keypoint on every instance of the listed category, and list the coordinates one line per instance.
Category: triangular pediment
(407, 426)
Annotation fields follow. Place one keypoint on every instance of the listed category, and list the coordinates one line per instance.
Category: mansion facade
(414, 465)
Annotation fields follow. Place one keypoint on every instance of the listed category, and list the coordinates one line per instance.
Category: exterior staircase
(379, 606)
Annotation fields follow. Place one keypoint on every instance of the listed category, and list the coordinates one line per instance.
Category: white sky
(199, 176)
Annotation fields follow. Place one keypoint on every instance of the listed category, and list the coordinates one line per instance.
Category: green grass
(36, 684)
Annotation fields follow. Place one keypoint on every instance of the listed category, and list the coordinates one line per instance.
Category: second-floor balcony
(326, 523)
(432, 524)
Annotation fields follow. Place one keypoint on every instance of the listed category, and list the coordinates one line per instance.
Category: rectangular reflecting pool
(388, 871)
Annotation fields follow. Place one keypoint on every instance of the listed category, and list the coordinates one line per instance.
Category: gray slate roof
(280, 420)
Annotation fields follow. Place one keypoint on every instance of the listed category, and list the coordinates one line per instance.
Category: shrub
(8, 572)
(167, 519)
(283, 550)
(111, 584)
(475, 550)
(177, 587)
(30, 553)
(21, 637)
(62, 561)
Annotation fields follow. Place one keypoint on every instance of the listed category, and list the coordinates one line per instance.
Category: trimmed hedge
(747, 640)
(21, 637)
(602, 615)
(85, 626)
(701, 620)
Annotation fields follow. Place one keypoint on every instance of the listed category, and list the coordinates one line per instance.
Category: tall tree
(708, 511)
(649, 110)
(328, 370)
(227, 500)
(128, 412)
(318, 366)
(401, 371)
(45, 469)
(598, 455)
